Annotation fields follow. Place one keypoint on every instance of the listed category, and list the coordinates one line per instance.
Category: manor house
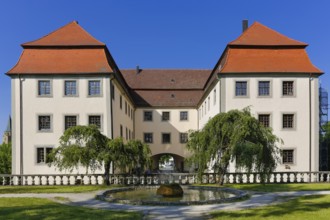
(69, 78)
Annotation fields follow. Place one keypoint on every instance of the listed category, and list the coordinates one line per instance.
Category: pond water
(191, 195)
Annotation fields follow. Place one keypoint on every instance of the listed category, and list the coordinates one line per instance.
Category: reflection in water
(149, 194)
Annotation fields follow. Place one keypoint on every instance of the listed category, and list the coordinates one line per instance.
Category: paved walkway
(169, 212)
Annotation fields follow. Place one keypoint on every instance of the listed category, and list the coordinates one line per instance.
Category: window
(184, 116)
(288, 121)
(44, 123)
(94, 120)
(241, 88)
(126, 133)
(121, 102)
(288, 88)
(183, 138)
(125, 107)
(94, 87)
(208, 103)
(70, 121)
(42, 154)
(129, 134)
(44, 88)
(165, 116)
(70, 88)
(132, 114)
(148, 138)
(129, 111)
(147, 116)
(264, 120)
(214, 96)
(121, 131)
(166, 138)
(288, 156)
(264, 88)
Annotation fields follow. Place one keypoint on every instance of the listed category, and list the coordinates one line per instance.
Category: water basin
(193, 195)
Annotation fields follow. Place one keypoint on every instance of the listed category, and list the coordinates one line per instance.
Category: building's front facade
(69, 78)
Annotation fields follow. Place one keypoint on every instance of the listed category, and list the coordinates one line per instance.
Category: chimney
(245, 24)
(137, 69)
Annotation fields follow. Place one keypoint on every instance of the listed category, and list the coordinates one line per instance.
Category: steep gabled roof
(256, 60)
(260, 35)
(68, 50)
(260, 49)
(70, 35)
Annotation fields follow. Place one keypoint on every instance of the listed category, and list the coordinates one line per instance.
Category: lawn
(35, 208)
(281, 187)
(276, 187)
(306, 207)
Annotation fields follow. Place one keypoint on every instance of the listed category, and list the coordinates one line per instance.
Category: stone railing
(156, 179)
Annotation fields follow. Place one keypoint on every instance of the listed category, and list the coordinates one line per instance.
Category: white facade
(275, 105)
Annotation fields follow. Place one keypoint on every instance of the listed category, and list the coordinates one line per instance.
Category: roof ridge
(74, 22)
(162, 69)
(49, 33)
(248, 37)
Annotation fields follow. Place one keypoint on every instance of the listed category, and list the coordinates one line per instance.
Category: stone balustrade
(156, 179)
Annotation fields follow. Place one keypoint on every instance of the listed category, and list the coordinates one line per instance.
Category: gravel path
(169, 212)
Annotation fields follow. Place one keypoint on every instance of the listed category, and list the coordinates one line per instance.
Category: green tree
(5, 158)
(238, 137)
(325, 142)
(79, 146)
(140, 155)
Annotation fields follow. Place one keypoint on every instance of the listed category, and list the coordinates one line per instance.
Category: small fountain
(170, 190)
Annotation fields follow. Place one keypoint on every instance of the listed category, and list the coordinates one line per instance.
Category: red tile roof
(167, 98)
(262, 50)
(68, 50)
(62, 61)
(260, 35)
(166, 78)
(71, 34)
(263, 60)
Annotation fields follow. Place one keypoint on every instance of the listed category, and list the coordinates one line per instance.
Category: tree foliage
(235, 136)
(5, 158)
(325, 142)
(86, 146)
(79, 146)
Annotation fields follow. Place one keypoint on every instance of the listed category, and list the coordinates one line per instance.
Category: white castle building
(69, 78)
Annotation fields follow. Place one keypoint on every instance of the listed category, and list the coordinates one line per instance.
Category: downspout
(111, 116)
(219, 79)
(21, 124)
(310, 127)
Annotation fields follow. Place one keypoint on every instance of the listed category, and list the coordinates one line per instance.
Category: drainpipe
(111, 115)
(219, 78)
(21, 171)
(310, 127)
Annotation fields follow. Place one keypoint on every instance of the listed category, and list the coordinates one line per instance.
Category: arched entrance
(168, 163)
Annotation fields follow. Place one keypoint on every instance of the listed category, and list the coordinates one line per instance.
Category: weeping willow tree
(79, 146)
(235, 136)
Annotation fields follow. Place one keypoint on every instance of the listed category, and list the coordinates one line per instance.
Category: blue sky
(161, 33)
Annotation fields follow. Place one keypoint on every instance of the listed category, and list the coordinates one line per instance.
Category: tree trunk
(107, 173)
(222, 173)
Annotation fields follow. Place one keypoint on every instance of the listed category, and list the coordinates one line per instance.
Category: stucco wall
(57, 105)
(157, 127)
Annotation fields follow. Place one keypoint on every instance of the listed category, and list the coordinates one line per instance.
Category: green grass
(52, 189)
(306, 207)
(35, 208)
(277, 187)
(281, 187)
